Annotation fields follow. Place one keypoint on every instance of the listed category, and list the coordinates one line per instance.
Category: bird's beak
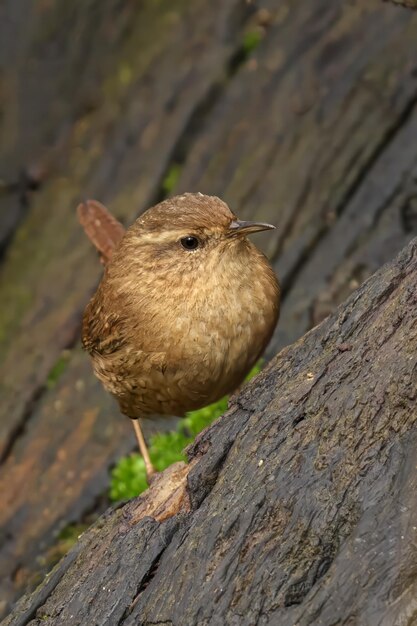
(239, 228)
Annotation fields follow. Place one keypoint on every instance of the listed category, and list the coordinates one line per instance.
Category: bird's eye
(190, 242)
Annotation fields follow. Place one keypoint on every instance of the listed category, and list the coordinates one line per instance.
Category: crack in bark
(409, 4)
(25, 183)
(146, 580)
(206, 104)
(309, 249)
(33, 402)
(44, 592)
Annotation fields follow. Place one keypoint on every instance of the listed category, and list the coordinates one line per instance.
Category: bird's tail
(103, 230)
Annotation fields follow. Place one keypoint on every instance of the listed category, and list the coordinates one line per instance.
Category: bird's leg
(150, 470)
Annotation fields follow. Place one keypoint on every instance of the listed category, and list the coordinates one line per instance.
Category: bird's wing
(107, 335)
(102, 334)
(132, 375)
(103, 230)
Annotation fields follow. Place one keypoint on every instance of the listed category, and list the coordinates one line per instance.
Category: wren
(185, 308)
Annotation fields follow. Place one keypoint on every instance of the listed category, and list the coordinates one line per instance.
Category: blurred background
(303, 114)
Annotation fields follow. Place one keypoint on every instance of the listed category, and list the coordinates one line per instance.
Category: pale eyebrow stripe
(168, 236)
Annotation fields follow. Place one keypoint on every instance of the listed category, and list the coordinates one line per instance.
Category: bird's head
(189, 230)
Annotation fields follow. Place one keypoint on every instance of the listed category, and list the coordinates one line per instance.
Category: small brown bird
(185, 308)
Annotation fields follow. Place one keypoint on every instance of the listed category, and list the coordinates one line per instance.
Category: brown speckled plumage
(170, 330)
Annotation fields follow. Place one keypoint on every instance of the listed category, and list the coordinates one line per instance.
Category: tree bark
(411, 4)
(306, 130)
(298, 505)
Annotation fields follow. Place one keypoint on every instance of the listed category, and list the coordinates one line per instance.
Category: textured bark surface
(411, 4)
(119, 87)
(313, 130)
(301, 503)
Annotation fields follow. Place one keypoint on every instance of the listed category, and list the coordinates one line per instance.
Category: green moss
(128, 478)
(19, 299)
(171, 179)
(251, 40)
(57, 370)
(125, 74)
(71, 533)
(33, 261)
(66, 539)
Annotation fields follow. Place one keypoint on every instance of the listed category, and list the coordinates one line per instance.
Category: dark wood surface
(301, 503)
(411, 4)
(313, 130)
